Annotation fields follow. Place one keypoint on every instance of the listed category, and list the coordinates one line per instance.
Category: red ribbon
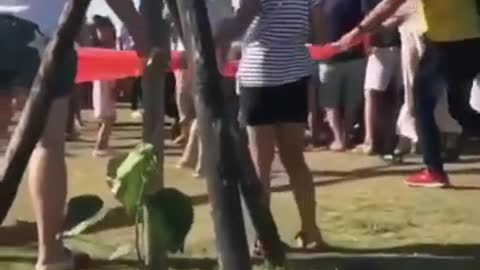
(108, 64)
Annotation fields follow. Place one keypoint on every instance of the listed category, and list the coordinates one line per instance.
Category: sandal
(364, 149)
(314, 246)
(74, 261)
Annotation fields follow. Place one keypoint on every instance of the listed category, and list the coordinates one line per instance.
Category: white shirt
(45, 13)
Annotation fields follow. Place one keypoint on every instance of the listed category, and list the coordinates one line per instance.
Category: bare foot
(365, 149)
(184, 164)
(180, 140)
(337, 146)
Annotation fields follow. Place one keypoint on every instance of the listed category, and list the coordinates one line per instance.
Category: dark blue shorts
(281, 104)
(21, 49)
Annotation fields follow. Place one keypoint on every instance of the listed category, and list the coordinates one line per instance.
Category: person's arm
(133, 21)
(393, 22)
(233, 28)
(372, 21)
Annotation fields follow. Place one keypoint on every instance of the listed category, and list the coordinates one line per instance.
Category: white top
(273, 50)
(45, 13)
(412, 19)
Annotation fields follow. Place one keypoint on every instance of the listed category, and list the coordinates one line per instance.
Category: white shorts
(475, 94)
(383, 69)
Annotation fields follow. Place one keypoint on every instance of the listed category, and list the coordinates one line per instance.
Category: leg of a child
(334, 119)
(184, 102)
(190, 153)
(103, 137)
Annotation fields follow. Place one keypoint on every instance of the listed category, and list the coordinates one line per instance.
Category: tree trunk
(214, 104)
(34, 116)
(222, 179)
(153, 87)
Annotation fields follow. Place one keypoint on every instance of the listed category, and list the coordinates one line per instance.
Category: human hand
(352, 38)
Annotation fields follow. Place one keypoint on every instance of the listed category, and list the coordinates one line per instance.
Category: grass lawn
(363, 208)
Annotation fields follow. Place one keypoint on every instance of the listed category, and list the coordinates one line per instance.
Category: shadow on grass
(455, 250)
(339, 177)
(22, 233)
(402, 258)
(120, 125)
(117, 217)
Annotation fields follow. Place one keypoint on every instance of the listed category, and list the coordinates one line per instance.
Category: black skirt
(287, 103)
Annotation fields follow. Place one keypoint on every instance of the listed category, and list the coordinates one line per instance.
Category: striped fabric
(273, 50)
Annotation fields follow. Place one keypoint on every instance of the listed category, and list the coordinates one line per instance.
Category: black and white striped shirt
(273, 51)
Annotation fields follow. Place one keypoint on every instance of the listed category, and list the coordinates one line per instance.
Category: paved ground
(363, 208)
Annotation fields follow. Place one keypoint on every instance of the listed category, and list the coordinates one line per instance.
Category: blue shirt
(341, 16)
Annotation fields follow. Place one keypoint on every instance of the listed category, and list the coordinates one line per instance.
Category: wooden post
(153, 87)
(222, 178)
(210, 100)
(34, 117)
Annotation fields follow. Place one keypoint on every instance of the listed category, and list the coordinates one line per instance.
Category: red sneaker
(428, 179)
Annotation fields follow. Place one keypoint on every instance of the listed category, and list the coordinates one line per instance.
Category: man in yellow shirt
(452, 58)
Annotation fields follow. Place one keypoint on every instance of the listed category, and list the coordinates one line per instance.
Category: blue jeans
(450, 64)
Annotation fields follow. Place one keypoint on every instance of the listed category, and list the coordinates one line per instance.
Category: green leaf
(170, 217)
(121, 251)
(82, 213)
(133, 175)
(113, 165)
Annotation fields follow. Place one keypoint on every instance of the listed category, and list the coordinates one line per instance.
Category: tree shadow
(21, 233)
(127, 125)
(200, 199)
(339, 177)
(459, 250)
(127, 147)
(127, 137)
(115, 218)
(416, 256)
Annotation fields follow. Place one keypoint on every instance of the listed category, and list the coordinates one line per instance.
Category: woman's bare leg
(48, 184)
(262, 150)
(290, 145)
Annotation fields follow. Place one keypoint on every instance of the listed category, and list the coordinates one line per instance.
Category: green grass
(363, 207)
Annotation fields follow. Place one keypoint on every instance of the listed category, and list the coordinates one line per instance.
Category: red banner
(108, 64)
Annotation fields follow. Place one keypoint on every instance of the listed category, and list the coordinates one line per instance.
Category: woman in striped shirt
(273, 75)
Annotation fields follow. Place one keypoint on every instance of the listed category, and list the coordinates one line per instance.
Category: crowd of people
(402, 81)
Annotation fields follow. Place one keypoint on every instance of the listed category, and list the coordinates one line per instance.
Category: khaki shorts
(341, 84)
